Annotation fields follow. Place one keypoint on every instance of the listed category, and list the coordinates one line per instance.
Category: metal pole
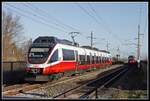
(138, 47)
(72, 36)
(96, 94)
(107, 45)
(91, 40)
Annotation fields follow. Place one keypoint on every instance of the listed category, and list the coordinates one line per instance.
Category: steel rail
(64, 94)
(94, 91)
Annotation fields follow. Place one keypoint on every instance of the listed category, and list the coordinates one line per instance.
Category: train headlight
(28, 69)
(35, 70)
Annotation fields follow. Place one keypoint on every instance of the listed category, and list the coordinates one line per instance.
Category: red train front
(131, 60)
(49, 57)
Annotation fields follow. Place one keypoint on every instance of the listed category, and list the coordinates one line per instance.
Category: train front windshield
(38, 55)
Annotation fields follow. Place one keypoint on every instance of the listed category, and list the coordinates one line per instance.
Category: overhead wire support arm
(74, 34)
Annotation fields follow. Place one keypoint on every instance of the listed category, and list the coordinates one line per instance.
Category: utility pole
(91, 40)
(138, 46)
(107, 45)
(73, 34)
(118, 55)
(91, 37)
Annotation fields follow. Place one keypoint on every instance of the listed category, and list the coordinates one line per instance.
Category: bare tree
(11, 31)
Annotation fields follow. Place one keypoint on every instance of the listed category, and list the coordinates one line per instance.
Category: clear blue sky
(115, 22)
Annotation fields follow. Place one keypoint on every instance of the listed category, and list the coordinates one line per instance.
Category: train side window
(97, 59)
(100, 59)
(88, 59)
(68, 54)
(103, 59)
(54, 57)
(92, 59)
(82, 59)
(85, 59)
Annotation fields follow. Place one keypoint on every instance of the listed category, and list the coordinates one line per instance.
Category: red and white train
(131, 60)
(49, 56)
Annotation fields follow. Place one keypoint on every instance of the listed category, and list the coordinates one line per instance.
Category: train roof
(131, 56)
(50, 41)
(82, 49)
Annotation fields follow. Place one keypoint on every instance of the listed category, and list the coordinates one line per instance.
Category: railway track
(89, 89)
(10, 87)
(16, 89)
(20, 88)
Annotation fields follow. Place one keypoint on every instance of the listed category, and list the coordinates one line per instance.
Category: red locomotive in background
(131, 60)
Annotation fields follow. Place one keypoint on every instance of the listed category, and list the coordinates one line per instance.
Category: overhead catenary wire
(32, 19)
(97, 21)
(44, 17)
(99, 17)
(145, 28)
(35, 15)
(87, 12)
(58, 22)
(105, 26)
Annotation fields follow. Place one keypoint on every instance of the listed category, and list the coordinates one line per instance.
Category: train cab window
(43, 41)
(38, 54)
(68, 54)
(54, 57)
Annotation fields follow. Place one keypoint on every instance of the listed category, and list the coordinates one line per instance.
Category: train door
(77, 60)
(94, 58)
(90, 60)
